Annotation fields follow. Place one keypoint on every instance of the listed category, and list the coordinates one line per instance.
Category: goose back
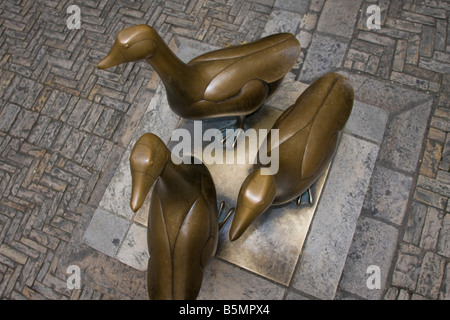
(267, 59)
(182, 237)
(309, 131)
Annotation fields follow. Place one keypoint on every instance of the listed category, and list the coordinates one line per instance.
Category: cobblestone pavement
(64, 126)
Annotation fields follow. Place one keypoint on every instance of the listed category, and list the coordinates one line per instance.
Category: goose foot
(223, 216)
(306, 197)
(238, 128)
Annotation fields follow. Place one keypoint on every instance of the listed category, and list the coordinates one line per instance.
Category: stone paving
(65, 128)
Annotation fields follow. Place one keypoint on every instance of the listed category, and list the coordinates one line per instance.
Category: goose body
(233, 81)
(309, 132)
(182, 224)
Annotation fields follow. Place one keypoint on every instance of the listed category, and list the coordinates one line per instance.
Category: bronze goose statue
(229, 82)
(309, 132)
(183, 222)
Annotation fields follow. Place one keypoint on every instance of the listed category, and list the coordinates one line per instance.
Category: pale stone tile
(338, 17)
(367, 121)
(325, 54)
(134, 249)
(344, 295)
(404, 136)
(331, 232)
(292, 295)
(387, 197)
(106, 232)
(299, 6)
(390, 97)
(374, 244)
(282, 21)
(223, 281)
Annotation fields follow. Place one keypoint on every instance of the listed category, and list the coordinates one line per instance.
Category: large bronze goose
(229, 82)
(309, 132)
(183, 223)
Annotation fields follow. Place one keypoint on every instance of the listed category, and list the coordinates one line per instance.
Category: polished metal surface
(229, 82)
(182, 225)
(309, 132)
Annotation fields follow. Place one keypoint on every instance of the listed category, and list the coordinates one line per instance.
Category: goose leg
(223, 217)
(306, 196)
(238, 128)
(250, 99)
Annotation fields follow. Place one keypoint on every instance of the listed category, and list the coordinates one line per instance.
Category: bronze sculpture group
(230, 82)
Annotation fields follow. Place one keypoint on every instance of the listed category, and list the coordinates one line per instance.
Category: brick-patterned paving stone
(412, 49)
(64, 125)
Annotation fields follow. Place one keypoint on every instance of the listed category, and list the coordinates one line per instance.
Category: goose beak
(256, 195)
(243, 218)
(113, 58)
(141, 184)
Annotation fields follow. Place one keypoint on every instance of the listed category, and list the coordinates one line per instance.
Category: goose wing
(316, 118)
(329, 121)
(268, 59)
(180, 245)
(242, 50)
(178, 253)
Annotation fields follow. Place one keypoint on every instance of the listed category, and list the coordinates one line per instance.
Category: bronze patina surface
(309, 132)
(182, 225)
(229, 82)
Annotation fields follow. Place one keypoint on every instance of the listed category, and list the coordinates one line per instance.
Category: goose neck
(168, 66)
(174, 177)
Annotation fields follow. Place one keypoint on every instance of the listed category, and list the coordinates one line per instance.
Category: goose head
(132, 44)
(148, 160)
(255, 197)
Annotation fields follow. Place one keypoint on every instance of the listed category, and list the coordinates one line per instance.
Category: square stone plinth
(300, 247)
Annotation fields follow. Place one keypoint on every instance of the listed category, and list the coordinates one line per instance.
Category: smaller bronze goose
(309, 132)
(229, 82)
(183, 222)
